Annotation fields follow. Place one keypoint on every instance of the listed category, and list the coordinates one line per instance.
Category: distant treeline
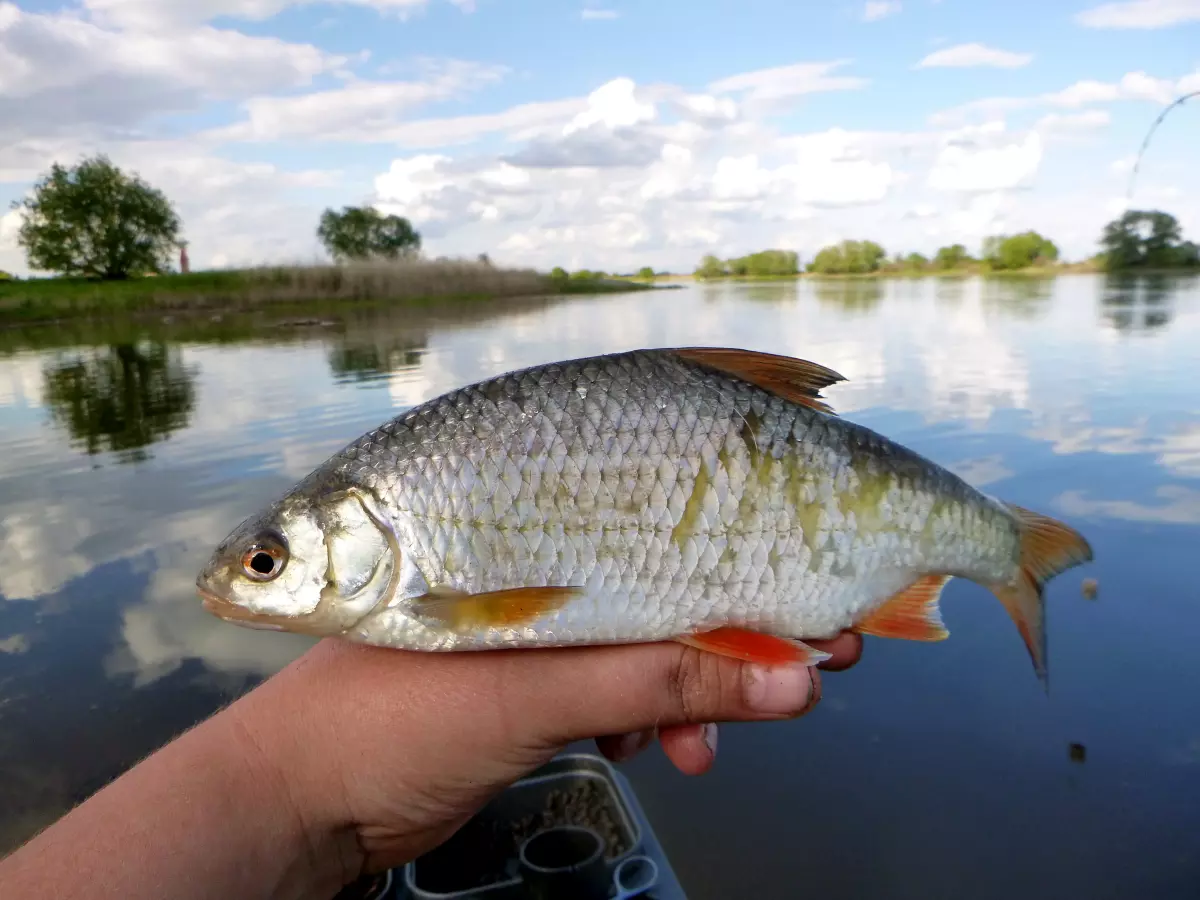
(1149, 240)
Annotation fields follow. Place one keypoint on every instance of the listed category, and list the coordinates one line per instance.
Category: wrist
(275, 755)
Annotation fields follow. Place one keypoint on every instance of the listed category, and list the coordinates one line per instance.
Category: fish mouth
(231, 612)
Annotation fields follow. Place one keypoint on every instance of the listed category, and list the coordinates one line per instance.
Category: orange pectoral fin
(910, 615)
(458, 611)
(753, 646)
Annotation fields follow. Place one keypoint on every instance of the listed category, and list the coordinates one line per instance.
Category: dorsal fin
(797, 380)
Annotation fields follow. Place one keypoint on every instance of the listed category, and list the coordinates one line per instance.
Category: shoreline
(287, 291)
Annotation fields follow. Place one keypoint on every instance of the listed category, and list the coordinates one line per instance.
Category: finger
(620, 748)
(846, 650)
(692, 748)
(635, 687)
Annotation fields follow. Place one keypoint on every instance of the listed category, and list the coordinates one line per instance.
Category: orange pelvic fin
(911, 615)
(460, 611)
(753, 646)
(797, 380)
(1048, 548)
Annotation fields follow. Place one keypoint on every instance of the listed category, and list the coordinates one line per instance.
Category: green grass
(298, 288)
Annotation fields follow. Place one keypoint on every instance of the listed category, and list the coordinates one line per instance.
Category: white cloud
(359, 110)
(1144, 14)
(1122, 166)
(783, 82)
(152, 15)
(64, 74)
(592, 14)
(1131, 86)
(986, 160)
(975, 55)
(874, 10)
(613, 105)
(1073, 123)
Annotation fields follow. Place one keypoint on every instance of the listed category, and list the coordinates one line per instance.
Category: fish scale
(691, 494)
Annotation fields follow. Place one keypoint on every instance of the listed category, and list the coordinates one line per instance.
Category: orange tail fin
(1048, 548)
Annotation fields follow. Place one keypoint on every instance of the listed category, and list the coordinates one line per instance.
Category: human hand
(386, 753)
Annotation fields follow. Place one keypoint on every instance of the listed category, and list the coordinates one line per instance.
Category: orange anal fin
(753, 646)
(797, 380)
(459, 611)
(911, 615)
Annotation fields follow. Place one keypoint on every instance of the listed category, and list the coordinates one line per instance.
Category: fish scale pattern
(675, 497)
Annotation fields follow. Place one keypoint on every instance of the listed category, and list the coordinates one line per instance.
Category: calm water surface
(928, 771)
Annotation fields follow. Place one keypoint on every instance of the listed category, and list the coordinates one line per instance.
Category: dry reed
(388, 280)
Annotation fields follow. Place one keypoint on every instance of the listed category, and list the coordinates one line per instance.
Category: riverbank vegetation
(1137, 240)
(110, 238)
(413, 282)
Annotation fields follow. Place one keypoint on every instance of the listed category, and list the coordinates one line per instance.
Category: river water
(930, 770)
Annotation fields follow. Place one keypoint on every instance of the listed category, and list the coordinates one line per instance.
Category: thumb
(596, 691)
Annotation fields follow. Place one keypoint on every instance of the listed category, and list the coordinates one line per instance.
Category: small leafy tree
(1019, 251)
(848, 258)
(765, 263)
(96, 221)
(1145, 239)
(363, 232)
(711, 267)
(646, 273)
(952, 257)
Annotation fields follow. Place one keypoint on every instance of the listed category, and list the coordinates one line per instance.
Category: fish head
(312, 563)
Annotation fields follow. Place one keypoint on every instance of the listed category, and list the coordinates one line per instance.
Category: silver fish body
(672, 493)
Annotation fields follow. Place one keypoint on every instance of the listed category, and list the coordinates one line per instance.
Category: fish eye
(265, 558)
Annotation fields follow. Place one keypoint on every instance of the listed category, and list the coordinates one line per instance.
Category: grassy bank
(298, 288)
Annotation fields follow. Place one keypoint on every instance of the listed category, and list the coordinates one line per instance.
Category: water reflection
(359, 358)
(783, 292)
(1019, 386)
(1018, 296)
(1138, 304)
(121, 398)
(949, 290)
(858, 295)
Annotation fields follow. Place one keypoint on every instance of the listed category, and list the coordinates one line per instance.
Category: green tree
(765, 264)
(1146, 239)
(363, 232)
(954, 256)
(5, 276)
(711, 267)
(95, 221)
(915, 262)
(1019, 251)
(646, 273)
(848, 258)
(558, 273)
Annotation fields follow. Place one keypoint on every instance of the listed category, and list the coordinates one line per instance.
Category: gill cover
(364, 560)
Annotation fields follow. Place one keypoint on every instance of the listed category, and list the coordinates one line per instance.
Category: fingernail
(780, 690)
(710, 738)
(633, 743)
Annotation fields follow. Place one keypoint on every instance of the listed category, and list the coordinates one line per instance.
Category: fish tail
(1048, 548)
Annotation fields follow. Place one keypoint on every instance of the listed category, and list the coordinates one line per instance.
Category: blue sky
(610, 135)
